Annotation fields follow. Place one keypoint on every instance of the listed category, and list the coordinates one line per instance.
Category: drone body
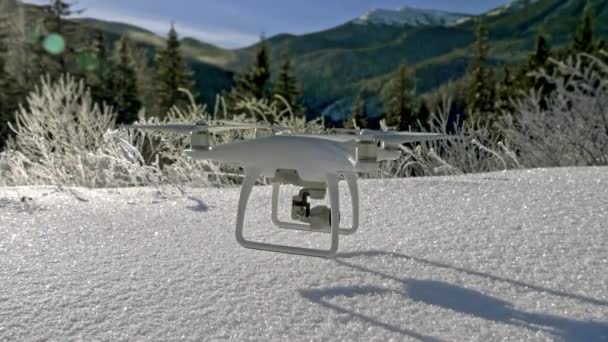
(313, 162)
(311, 156)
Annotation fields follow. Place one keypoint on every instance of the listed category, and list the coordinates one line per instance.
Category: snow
(497, 11)
(410, 16)
(462, 21)
(519, 255)
(513, 5)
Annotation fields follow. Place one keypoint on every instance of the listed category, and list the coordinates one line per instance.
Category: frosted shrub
(166, 150)
(571, 129)
(471, 150)
(250, 110)
(62, 137)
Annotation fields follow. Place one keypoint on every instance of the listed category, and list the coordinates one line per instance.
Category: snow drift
(518, 255)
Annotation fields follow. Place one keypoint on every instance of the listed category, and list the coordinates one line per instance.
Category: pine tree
(5, 116)
(56, 23)
(124, 83)
(480, 96)
(423, 115)
(26, 57)
(398, 100)
(260, 75)
(505, 91)
(145, 79)
(542, 53)
(100, 78)
(583, 41)
(540, 60)
(359, 115)
(8, 93)
(254, 82)
(525, 79)
(287, 87)
(172, 73)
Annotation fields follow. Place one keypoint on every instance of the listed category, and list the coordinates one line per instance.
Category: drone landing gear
(322, 219)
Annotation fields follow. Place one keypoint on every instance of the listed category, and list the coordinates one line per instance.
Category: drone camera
(318, 217)
(300, 207)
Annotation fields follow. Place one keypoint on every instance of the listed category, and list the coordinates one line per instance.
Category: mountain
(411, 16)
(206, 60)
(360, 55)
(557, 19)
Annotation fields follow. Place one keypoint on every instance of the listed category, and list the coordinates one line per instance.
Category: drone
(315, 163)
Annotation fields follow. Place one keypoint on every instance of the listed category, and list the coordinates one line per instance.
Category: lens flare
(54, 44)
(87, 60)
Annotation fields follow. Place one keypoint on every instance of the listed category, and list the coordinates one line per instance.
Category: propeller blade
(397, 138)
(172, 128)
(332, 137)
(247, 125)
(220, 129)
(347, 130)
(188, 128)
(279, 128)
(229, 123)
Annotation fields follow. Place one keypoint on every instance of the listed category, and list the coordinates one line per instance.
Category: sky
(238, 23)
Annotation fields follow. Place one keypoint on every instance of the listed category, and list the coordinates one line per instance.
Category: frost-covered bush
(63, 138)
(250, 110)
(571, 128)
(470, 149)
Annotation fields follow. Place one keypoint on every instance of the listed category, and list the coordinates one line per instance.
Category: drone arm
(398, 138)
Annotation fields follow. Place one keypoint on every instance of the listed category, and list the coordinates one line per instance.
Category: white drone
(313, 162)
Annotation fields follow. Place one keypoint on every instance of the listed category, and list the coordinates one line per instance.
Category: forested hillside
(336, 64)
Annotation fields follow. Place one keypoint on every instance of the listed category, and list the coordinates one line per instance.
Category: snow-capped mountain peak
(410, 16)
(513, 5)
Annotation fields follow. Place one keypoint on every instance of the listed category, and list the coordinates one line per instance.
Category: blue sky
(239, 23)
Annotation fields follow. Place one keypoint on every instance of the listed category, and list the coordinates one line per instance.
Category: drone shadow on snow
(200, 206)
(462, 300)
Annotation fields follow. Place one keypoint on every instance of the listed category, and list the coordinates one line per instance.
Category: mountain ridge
(411, 16)
(336, 64)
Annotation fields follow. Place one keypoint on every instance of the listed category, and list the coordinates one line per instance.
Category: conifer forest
(67, 84)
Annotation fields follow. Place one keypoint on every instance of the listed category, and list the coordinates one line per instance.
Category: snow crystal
(517, 255)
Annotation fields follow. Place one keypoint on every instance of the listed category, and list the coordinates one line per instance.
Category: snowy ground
(505, 256)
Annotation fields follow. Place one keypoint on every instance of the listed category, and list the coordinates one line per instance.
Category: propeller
(215, 127)
(398, 138)
(392, 137)
(171, 128)
(259, 125)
